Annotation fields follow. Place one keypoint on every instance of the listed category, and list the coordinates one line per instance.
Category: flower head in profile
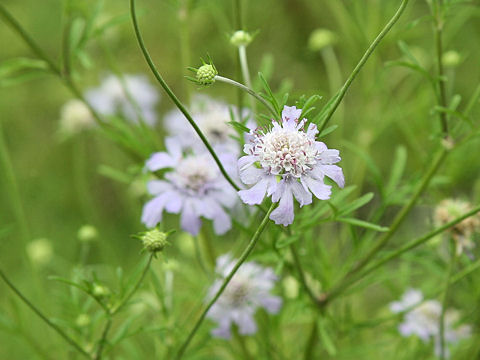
(212, 117)
(248, 290)
(193, 187)
(422, 319)
(132, 97)
(462, 233)
(285, 162)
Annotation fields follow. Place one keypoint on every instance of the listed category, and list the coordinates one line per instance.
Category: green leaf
(356, 204)
(322, 115)
(271, 97)
(11, 66)
(406, 51)
(286, 241)
(239, 126)
(327, 131)
(364, 224)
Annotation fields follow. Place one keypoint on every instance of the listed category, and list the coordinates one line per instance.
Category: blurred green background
(61, 185)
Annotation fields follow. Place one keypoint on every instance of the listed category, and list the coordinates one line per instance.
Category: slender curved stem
(301, 274)
(27, 302)
(340, 287)
(339, 96)
(103, 339)
(242, 55)
(229, 277)
(173, 97)
(249, 91)
(135, 288)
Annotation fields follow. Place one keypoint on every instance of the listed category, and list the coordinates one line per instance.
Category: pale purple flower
(422, 319)
(212, 117)
(137, 97)
(285, 162)
(248, 290)
(194, 187)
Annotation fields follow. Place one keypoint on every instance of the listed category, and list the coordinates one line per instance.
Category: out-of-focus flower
(75, 117)
(241, 38)
(248, 290)
(82, 320)
(135, 97)
(40, 251)
(450, 209)
(212, 118)
(87, 233)
(451, 58)
(195, 188)
(423, 320)
(286, 162)
(321, 38)
(154, 240)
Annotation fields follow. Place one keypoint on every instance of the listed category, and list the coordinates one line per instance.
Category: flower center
(283, 151)
(237, 292)
(194, 174)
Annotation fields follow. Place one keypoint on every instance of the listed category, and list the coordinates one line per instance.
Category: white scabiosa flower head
(75, 117)
(248, 290)
(194, 187)
(131, 97)
(422, 319)
(450, 209)
(285, 162)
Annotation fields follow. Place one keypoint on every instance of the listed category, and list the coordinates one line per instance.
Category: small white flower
(248, 290)
(138, 95)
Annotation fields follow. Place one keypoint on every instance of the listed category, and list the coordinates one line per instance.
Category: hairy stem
(241, 260)
(242, 55)
(341, 93)
(444, 299)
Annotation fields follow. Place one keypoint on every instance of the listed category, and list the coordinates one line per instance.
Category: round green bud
(40, 251)
(321, 38)
(154, 240)
(87, 233)
(451, 59)
(82, 320)
(206, 74)
(240, 38)
(100, 291)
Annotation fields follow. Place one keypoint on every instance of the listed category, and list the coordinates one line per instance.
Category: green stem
(438, 29)
(301, 274)
(312, 341)
(411, 245)
(173, 97)
(103, 339)
(242, 55)
(340, 287)
(241, 260)
(27, 302)
(184, 41)
(135, 288)
(339, 96)
(249, 91)
(444, 298)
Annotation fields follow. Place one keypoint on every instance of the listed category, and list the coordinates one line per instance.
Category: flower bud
(100, 291)
(154, 240)
(206, 74)
(240, 38)
(82, 320)
(87, 233)
(321, 38)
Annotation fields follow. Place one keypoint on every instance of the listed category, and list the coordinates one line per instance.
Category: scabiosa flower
(212, 117)
(423, 320)
(194, 187)
(286, 162)
(448, 210)
(248, 290)
(138, 95)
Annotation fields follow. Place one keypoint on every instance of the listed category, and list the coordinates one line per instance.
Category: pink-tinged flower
(194, 187)
(136, 96)
(248, 290)
(285, 162)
